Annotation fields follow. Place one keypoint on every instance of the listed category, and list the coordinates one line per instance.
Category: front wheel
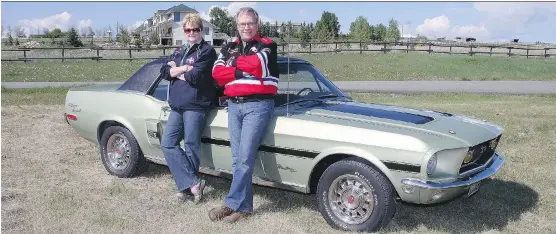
(353, 196)
(120, 152)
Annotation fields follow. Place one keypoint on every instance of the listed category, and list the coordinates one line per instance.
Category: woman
(191, 95)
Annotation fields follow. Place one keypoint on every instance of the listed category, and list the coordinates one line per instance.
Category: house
(166, 24)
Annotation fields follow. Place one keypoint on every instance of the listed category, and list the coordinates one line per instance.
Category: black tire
(136, 163)
(384, 196)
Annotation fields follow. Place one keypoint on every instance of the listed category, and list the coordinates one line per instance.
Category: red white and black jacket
(257, 57)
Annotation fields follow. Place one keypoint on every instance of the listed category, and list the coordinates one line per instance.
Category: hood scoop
(377, 113)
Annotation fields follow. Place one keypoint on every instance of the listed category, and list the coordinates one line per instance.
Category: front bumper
(434, 192)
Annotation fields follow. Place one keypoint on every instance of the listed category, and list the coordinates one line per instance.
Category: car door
(216, 152)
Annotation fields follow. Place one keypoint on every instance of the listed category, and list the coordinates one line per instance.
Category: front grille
(481, 154)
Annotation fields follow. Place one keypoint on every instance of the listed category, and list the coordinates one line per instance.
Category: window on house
(207, 30)
(178, 42)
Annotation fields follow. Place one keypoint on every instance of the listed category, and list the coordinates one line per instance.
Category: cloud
(83, 25)
(508, 19)
(51, 22)
(436, 25)
(233, 8)
(441, 26)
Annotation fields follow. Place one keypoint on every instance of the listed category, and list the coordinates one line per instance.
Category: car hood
(467, 129)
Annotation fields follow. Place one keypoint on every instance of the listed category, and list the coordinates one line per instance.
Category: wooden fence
(305, 48)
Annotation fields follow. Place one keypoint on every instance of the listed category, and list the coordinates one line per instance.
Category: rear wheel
(120, 152)
(354, 196)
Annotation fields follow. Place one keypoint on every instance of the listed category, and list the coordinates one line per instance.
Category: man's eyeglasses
(189, 30)
(244, 25)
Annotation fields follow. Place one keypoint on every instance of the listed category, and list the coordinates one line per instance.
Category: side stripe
(308, 154)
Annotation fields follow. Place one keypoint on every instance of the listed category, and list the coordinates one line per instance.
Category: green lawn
(337, 67)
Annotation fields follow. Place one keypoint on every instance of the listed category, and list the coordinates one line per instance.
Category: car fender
(120, 120)
(357, 152)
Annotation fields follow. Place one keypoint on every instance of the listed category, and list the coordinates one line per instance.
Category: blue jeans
(248, 124)
(184, 165)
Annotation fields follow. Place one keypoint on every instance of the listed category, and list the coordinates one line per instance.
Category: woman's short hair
(193, 19)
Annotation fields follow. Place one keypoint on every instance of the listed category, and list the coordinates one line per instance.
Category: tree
(123, 36)
(380, 32)
(73, 38)
(19, 32)
(393, 33)
(282, 30)
(328, 27)
(289, 29)
(153, 38)
(360, 29)
(10, 40)
(304, 35)
(373, 32)
(219, 17)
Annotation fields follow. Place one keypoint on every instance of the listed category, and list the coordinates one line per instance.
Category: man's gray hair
(244, 10)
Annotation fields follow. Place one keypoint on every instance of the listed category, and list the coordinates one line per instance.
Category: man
(248, 69)
(191, 94)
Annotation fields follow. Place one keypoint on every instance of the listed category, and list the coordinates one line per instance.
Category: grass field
(53, 180)
(337, 67)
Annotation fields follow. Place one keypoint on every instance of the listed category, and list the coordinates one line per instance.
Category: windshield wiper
(330, 95)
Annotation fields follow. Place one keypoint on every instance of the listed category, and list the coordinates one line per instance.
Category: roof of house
(181, 8)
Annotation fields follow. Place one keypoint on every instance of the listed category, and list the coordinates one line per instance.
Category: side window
(207, 30)
(161, 90)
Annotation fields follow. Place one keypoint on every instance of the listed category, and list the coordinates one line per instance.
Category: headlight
(431, 165)
(493, 144)
(469, 157)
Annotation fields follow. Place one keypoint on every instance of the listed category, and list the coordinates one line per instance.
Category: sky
(486, 21)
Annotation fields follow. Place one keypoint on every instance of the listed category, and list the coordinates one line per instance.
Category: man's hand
(172, 64)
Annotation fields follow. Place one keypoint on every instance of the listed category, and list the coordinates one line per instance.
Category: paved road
(506, 87)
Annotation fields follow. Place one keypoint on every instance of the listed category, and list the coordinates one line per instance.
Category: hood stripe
(378, 113)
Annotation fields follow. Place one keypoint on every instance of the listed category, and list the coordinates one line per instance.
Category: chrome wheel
(352, 199)
(118, 151)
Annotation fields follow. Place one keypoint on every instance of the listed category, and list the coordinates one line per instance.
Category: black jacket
(198, 90)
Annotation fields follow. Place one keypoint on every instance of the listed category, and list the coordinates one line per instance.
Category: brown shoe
(236, 216)
(218, 213)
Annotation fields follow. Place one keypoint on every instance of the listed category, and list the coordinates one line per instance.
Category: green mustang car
(360, 159)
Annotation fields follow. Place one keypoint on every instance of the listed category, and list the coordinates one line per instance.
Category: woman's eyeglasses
(189, 30)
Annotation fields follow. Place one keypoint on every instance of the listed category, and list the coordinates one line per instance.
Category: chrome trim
(228, 175)
(477, 169)
(497, 163)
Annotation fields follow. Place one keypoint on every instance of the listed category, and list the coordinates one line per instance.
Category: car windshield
(299, 82)
(302, 81)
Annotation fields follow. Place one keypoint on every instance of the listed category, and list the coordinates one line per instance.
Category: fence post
(407, 48)
(545, 54)
(450, 49)
(491, 51)
(163, 51)
(384, 50)
(471, 50)
(98, 55)
(63, 53)
(430, 48)
(528, 53)
(309, 47)
(509, 51)
(24, 55)
(129, 50)
(336, 47)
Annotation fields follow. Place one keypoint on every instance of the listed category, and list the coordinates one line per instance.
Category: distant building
(166, 25)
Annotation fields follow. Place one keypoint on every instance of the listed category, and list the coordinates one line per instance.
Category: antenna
(288, 89)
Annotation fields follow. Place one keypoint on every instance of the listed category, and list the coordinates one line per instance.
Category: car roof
(144, 77)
